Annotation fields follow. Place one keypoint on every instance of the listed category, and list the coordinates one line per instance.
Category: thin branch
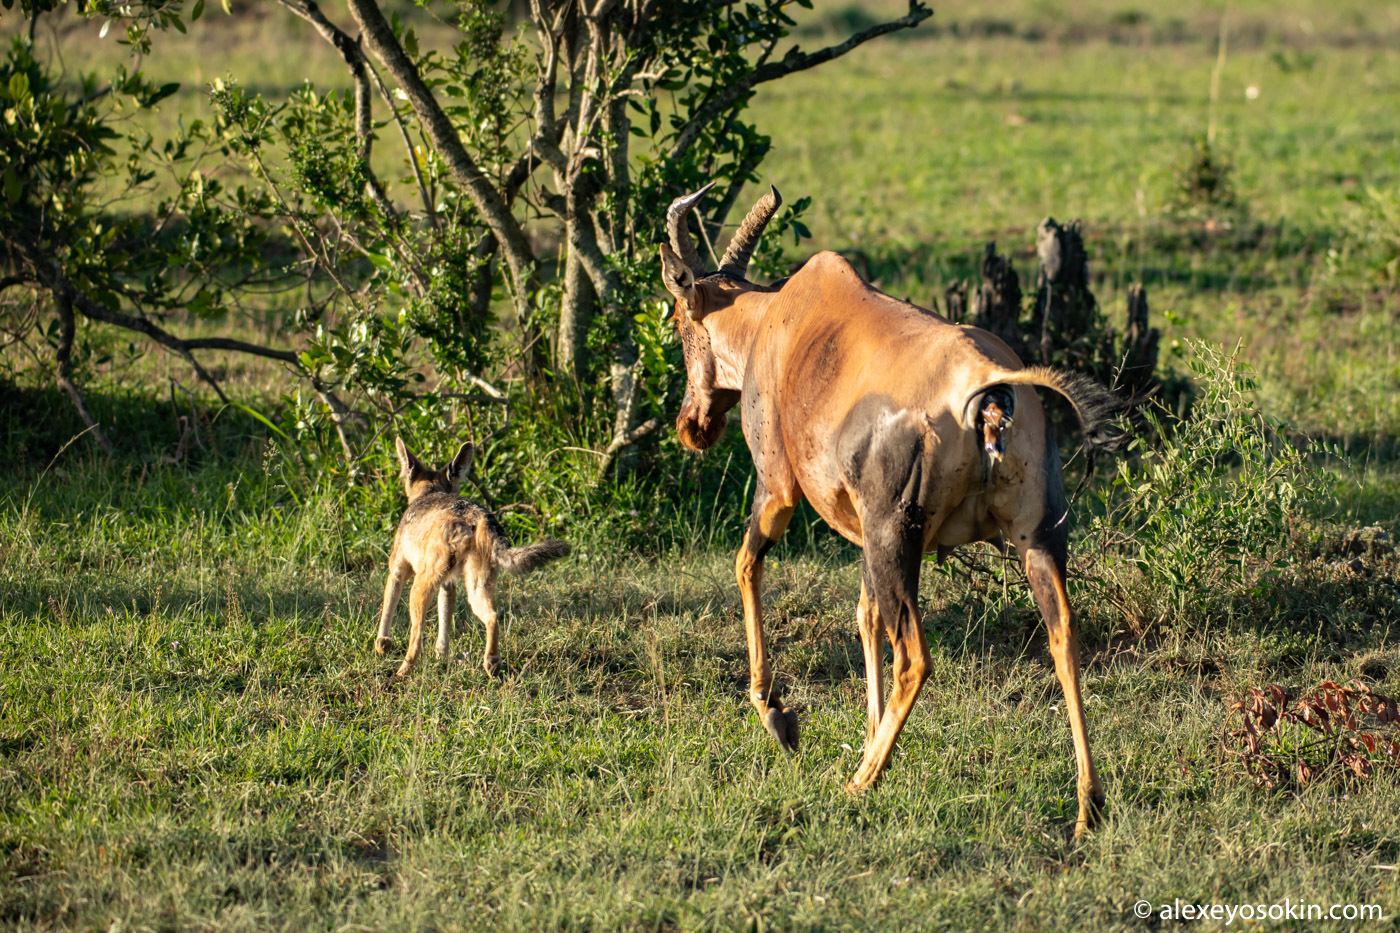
(408, 145)
(59, 284)
(490, 202)
(610, 454)
(355, 60)
(794, 61)
(62, 373)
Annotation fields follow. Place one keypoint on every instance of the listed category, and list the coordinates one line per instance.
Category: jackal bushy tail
(531, 556)
(491, 539)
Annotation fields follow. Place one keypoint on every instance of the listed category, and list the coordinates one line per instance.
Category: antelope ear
(678, 277)
(457, 469)
(407, 462)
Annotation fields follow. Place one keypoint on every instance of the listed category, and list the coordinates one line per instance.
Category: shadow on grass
(36, 423)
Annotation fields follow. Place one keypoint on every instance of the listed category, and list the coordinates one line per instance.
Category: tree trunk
(575, 314)
(996, 304)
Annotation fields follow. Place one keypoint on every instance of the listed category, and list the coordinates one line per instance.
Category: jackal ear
(678, 277)
(457, 469)
(407, 462)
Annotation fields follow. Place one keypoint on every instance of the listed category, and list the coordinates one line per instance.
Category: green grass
(195, 733)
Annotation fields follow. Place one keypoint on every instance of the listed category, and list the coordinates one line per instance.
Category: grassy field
(195, 733)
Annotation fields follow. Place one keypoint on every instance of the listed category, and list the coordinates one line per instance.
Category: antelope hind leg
(1047, 579)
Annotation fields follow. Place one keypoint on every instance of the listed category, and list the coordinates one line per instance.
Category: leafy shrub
(1204, 183)
(1375, 228)
(1211, 503)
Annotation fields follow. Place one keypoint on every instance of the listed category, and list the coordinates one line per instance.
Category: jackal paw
(382, 644)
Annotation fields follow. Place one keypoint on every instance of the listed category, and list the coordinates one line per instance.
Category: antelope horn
(679, 233)
(741, 245)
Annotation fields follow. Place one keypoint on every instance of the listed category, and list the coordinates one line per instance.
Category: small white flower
(1251, 92)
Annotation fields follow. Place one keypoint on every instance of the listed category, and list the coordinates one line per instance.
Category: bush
(1211, 504)
(1204, 186)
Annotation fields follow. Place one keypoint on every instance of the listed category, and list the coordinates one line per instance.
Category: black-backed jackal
(440, 536)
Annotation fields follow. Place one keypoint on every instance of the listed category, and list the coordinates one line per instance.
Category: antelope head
(699, 295)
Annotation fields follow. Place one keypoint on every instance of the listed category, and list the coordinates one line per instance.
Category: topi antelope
(905, 432)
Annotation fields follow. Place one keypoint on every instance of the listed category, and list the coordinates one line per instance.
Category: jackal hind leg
(393, 586)
(446, 609)
(424, 585)
(479, 580)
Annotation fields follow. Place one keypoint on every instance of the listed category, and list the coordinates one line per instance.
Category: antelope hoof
(382, 644)
(491, 664)
(441, 651)
(782, 725)
(856, 786)
(1090, 815)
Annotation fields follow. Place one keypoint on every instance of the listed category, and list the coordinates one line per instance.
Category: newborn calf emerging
(442, 536)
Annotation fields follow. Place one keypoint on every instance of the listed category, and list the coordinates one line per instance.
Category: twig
(792, 62)
(609, 456)
(62, 374)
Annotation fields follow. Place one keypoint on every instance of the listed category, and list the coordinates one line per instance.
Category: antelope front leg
(769, 520)
(1047, 578)
(872, 642)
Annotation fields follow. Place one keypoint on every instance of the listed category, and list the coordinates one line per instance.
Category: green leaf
(164, 91)
(19, 87)
(13, 186)
(197, 10)
(263, 418)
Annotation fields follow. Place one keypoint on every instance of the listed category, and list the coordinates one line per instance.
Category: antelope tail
(1095, 406)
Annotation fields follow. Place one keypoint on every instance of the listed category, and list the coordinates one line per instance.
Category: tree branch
(428, 207)
(478, 187)
(62, 288)
(355, 60)
(610, 454)
(62, 374)
(794, 61)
